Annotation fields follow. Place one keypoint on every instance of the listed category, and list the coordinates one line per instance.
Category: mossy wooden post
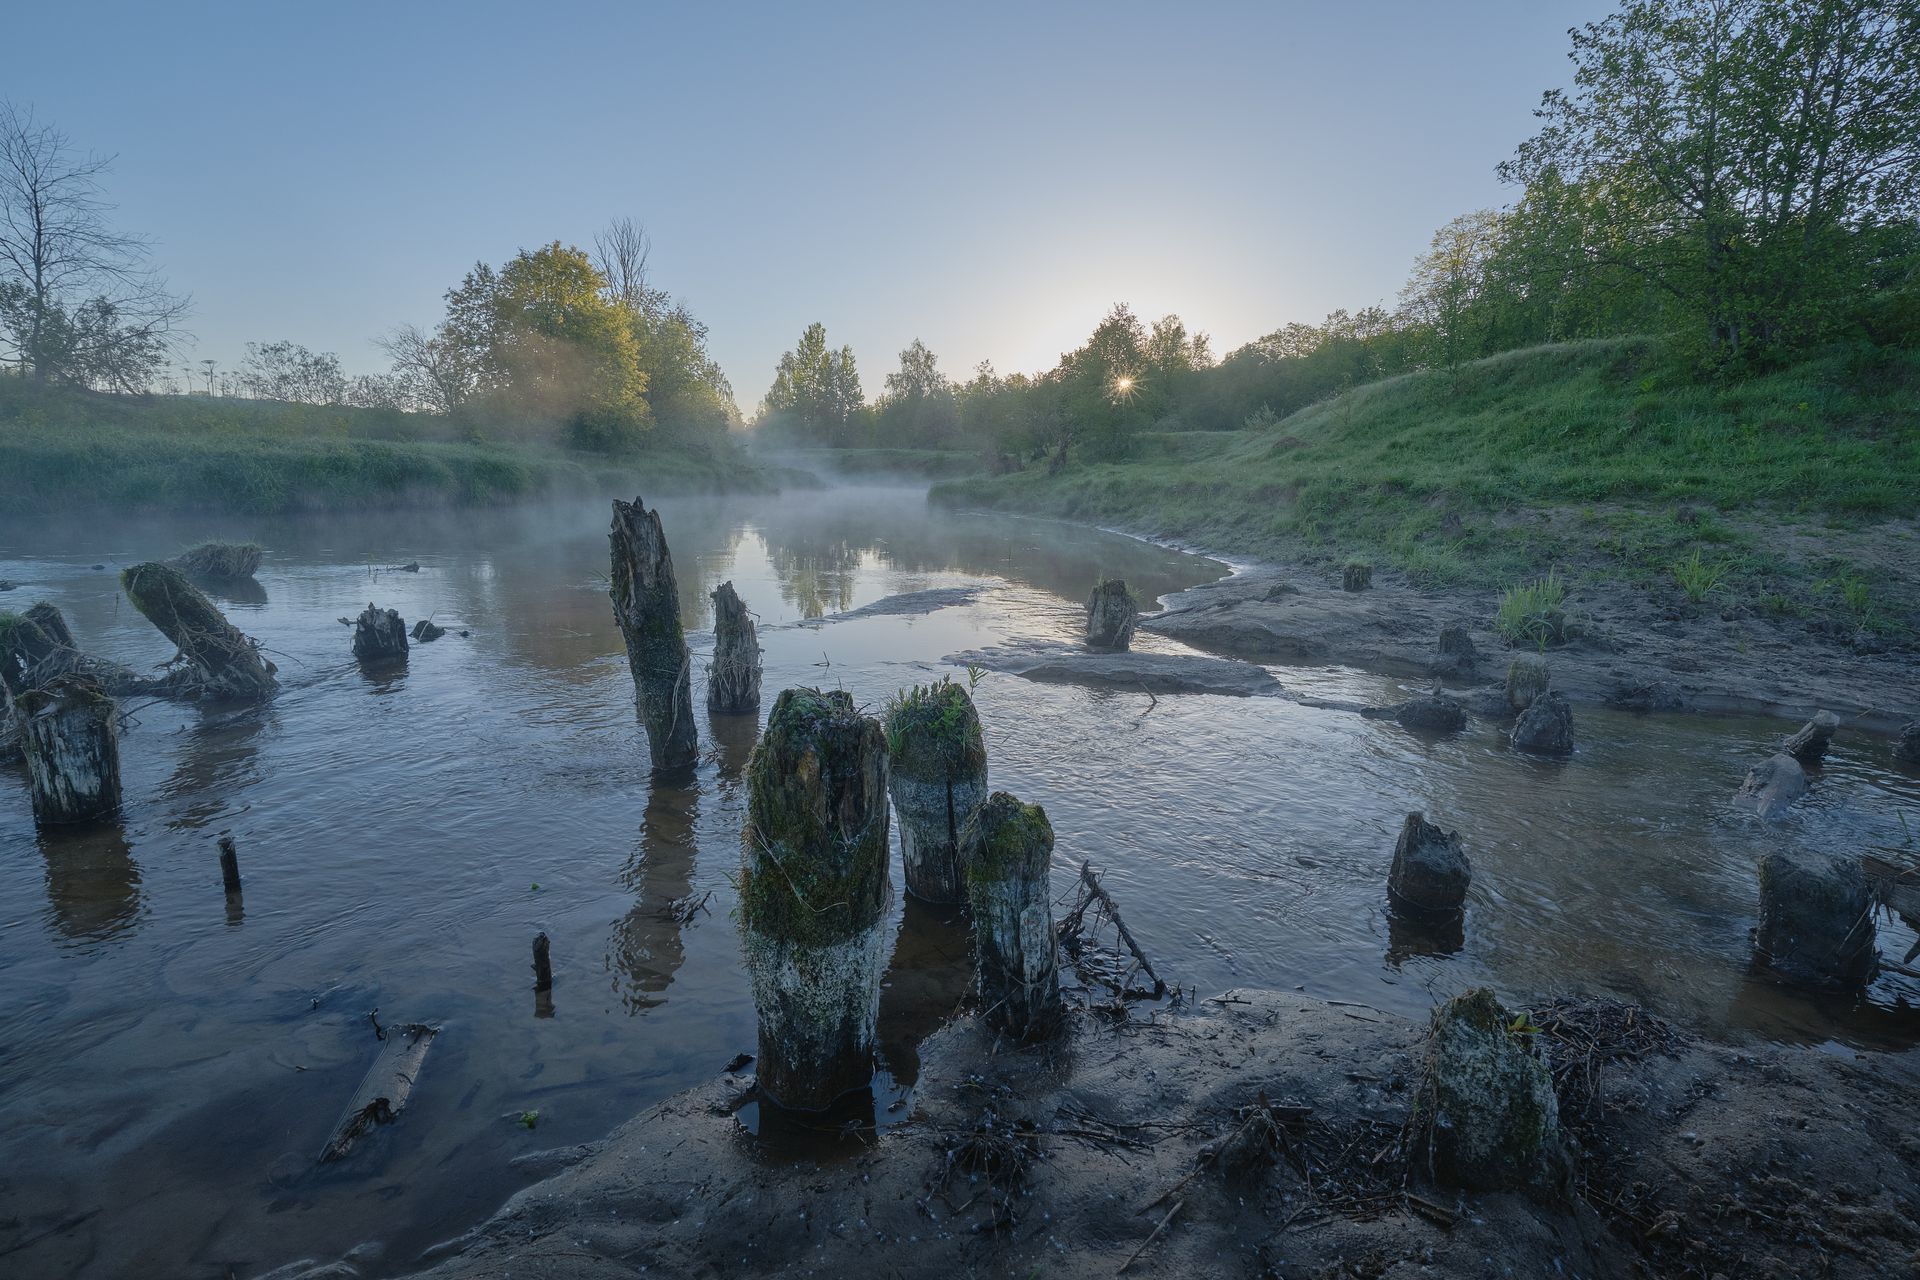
(937, 775)
(379, 637)
(1527, 679)
(733, 682)
(1430, 871)
(1112, 613)
(1356, 575)
(219, 560)
(35, 646)
(225, 663)
(70, 735)
(1488, 1114)
(813, 895)
(1008, 887)
(646, 604)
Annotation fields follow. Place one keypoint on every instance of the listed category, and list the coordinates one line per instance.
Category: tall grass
(1533, 613)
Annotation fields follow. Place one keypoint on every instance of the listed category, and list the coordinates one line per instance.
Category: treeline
(1740, 176)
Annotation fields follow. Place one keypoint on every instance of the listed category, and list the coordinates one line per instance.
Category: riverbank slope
(61, 450)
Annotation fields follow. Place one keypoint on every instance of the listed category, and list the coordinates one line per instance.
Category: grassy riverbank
(61, 450)
(1601, 456)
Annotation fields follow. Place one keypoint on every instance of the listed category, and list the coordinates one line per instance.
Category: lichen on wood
(1487, 1116)
(223, 663)
(733, 680)
(646, 604)
(1112, 614)
(937, 776)
(1008, 887)
(69, 733)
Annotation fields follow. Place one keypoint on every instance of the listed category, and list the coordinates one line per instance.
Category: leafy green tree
(919, 406)
(1447, 293)
(1741, 155)
(816, 395)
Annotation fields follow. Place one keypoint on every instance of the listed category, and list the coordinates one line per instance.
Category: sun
(1123, 386)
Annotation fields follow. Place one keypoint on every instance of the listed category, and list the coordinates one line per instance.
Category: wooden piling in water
(733, 682)
(646, 604)
(230, 865)
(1011, 852)
(379, 636)
(937, 776)
(1112, 613)
(542, 966)
(813, 895)
(69, 733)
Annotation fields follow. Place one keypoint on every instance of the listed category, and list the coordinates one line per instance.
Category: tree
(78, 302)
(428, 372)
(918, 407)
(288, 371)
(1447, 291)
(1742, 155)
(816, 393)
(685, 386)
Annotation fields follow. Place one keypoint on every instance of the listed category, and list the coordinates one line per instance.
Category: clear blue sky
(990, 178)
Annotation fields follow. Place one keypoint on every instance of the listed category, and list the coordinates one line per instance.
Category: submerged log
(1494, 1120)
(224, 560)
(1430, 872)
(224, 663)
(426, 632)
(646, 604)
(385, 1089)
(1008, 887)
(937, 776)
(733, 682)
(813, 895)
(69, 732)
(1112, 614)
(1809, 745)
(1816, 918)
(1772, 786)
(379, 636)
(1432, 713)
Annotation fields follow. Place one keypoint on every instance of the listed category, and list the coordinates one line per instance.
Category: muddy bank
(1631, 650)
(1692, 1159)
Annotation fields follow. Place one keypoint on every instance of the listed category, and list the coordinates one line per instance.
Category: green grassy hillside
(61, 450)
(1599, 455)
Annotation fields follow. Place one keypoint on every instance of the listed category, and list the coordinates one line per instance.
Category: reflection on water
(405, 834)
(93, 884)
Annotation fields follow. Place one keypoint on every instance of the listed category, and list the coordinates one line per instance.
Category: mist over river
(170, 1068)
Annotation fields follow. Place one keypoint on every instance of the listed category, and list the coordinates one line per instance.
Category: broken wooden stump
(1545, 728)
(69, 733)
(1430, 872)
(813, 895)
(379, 637)
(219, 560)
(1454, 657)
(230, 865)
(1816, 918)
(542, 963)
(37, 646)
(733, 681)
(1356, 575)
(646, 604)
(937, 776)
(1112, 614)
(1490, 1119)
(1772, 786)
(1431, 713)
(1527, 679)
(385, 1089)
(224, 664)
(1809, 745)
(426, 632)
(1009, 890)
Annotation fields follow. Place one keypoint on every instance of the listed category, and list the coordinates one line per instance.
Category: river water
(170, 1066)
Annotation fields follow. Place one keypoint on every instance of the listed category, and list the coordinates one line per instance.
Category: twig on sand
(1177, 1206)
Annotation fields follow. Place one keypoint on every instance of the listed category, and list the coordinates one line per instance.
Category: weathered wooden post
(1112, 613)
(70, 735)
(230, 866)
(646, 604)
(1430, 871)
(937, 775)
(1772, 786)
(225, 663)
(379, 637)
(35, 646)
(813, 894)
(1454, 655)
(1009, 889)
(1816, 918)
(1356, 575)
(733, 682)
(1527, 679)
(1809, 745)
(1545, 728)
(1490, 1119)
(542, 964)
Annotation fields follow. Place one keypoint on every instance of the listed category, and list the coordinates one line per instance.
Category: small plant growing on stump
(1532, 614)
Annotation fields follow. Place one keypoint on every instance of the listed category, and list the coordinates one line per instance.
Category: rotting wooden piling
(646, 604)
(542, 965)
(1008, 887)
(1112, 614)
(379, 637)
(225, 663)
(69, 733)
(937, 776)
(813, 895)
(230, 865)
(733, 681)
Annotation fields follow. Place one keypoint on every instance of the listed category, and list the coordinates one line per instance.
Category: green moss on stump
(1009, 840)
(933, 732)
(814, 867)
(1495, 1120)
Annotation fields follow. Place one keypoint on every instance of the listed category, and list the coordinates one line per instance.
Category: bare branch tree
(428, 371)
(620, 254)
(79, 302)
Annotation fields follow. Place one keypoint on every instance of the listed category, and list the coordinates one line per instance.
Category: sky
(988, 178)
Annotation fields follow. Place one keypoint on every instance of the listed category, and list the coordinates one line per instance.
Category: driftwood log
(1809, 745)
(646, 604)
(222, 662)
(733, 682)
